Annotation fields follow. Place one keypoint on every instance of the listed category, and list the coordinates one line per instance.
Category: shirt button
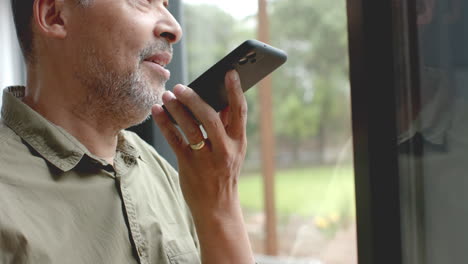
(140, 251)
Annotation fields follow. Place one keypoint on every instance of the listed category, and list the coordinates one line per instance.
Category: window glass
(314, 181)
(433, 145)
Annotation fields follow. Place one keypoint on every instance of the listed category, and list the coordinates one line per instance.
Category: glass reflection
(432, 141)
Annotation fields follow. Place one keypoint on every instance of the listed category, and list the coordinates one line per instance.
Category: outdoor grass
(317, 192)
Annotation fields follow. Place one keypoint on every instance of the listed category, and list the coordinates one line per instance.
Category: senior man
(75, 187)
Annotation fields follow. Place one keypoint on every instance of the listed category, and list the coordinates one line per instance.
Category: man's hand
(209, 176)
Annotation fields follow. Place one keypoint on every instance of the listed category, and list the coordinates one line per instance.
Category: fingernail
(234, 76)
(168, 95)
(179, 89)
(157, 108)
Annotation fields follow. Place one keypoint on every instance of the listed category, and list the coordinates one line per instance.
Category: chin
(135, 119)
(139, 120)
(158, 88)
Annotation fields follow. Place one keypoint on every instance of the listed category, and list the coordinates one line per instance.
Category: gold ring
(198, 146)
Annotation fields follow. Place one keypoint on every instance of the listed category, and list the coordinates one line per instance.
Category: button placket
(135, 231)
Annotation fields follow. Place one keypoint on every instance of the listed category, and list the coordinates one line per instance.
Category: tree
(311, 93)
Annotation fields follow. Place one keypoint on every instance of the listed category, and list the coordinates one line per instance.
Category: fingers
(224, 115)
(231, 122)
(183, 117)
(170, 132)
(208, 117)
(237, 105)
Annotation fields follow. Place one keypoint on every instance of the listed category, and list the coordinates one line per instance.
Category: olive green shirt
(61, 204)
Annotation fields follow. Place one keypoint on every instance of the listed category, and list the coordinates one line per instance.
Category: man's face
(121, 48)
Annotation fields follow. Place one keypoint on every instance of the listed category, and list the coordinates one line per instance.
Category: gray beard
(117, 100)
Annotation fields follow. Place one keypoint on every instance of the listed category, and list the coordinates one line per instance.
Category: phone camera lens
(243, 61)
(251, 55)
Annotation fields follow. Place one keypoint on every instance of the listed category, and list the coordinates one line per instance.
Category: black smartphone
(253, 60)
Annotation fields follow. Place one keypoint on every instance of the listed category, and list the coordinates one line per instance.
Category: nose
(168, 28)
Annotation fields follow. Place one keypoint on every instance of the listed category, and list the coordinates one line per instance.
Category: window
(314, 184)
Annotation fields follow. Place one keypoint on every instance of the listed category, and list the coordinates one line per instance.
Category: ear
(49, 18)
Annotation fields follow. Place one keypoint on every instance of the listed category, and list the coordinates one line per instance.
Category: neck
(51, 97)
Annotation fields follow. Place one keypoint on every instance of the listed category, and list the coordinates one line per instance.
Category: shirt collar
(51, 141)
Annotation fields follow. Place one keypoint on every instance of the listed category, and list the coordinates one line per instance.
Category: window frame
(373, 80)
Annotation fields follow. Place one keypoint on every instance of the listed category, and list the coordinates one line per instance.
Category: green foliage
(310, 91)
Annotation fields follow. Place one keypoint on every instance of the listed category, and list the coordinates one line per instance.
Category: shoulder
(6, 134)
(10, 143)
(16, 159)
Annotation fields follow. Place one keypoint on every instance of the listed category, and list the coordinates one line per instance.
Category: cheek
(136, 32)
(119, 37)
(126, 43)
(115, 50)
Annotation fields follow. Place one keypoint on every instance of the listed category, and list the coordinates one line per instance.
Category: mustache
(155, 48)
